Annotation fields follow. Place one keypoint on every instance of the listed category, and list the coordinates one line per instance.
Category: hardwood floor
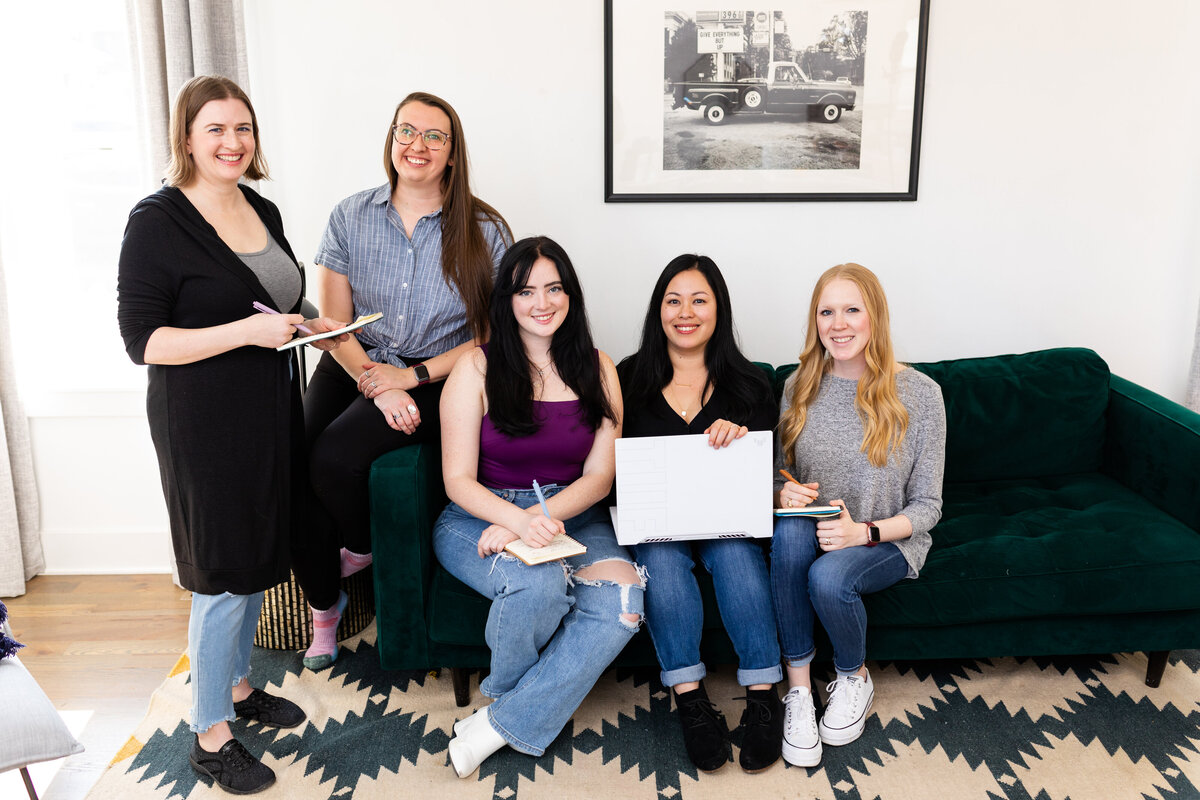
(99, 645)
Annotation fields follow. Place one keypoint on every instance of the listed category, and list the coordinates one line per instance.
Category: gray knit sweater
(829, 452)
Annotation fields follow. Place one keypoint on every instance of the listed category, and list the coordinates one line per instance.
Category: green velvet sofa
(1071, 524)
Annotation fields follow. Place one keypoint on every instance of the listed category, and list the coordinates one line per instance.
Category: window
(73, 168)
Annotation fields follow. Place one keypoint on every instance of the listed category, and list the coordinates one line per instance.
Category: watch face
(873, 533)
(422, 372)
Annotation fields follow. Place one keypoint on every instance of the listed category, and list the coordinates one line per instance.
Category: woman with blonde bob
(858, 430)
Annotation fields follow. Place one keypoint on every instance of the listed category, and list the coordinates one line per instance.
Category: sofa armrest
(406, 498)
(1152, 446)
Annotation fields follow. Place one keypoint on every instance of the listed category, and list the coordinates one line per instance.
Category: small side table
(286, 624)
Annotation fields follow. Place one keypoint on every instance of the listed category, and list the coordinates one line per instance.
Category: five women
(528, 421)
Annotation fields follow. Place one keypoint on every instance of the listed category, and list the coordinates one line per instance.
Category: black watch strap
(422, 373)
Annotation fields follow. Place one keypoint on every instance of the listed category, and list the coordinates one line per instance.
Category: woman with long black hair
(688, 377)
(534, 414)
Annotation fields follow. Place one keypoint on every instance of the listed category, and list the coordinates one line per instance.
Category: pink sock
(325, 624)
(353, 562)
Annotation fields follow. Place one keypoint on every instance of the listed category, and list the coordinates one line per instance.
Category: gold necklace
(686, 408)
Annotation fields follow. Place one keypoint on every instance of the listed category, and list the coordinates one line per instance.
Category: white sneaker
(473, 743)
(801, 743)
(845, 716)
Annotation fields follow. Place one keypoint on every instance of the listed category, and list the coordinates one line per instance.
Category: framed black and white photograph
(812, 100)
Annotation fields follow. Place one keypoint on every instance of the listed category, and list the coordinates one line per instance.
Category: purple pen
(268, 310)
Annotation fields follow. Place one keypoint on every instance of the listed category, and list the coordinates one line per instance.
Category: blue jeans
(551, 634)
(675, 615)
(220, 637)
(832, 586)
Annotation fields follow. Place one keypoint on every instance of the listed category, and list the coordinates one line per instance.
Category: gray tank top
(276, 272)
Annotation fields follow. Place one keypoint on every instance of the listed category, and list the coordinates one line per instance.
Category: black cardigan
(228, 429)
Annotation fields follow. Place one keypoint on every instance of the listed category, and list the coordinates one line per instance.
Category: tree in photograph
(841, 50)
(758, 57)
(682, 53)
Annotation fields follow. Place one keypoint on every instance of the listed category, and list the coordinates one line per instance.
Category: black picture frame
(660, 147)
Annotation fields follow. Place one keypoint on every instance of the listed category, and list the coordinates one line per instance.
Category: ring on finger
(412, 409)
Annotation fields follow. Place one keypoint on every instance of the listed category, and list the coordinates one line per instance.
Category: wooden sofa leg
(462, 686)
(28, 784)
(1156, 666)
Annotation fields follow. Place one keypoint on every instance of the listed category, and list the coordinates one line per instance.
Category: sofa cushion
(991, 401)
(1055, 546)
(457, 613)
(1023, 416)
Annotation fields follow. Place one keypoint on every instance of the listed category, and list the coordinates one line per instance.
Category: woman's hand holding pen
(839, 532)
(794, 494)
(493, 539)
(269, 330)
(723, 433)
(538, 529)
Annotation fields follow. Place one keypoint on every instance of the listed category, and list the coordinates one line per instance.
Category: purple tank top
(555, 454)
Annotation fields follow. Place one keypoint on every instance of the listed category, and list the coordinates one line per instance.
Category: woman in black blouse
(689, 377)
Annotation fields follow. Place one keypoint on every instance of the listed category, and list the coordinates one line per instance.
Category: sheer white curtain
(20, 526)
(173, 42)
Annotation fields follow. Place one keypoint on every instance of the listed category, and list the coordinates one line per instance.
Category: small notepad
(561, 546)
(366, 319)
(816, 512)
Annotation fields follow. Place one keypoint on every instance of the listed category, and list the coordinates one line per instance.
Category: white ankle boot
(474, 741)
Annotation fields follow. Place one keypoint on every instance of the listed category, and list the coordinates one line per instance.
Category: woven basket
(286, 623)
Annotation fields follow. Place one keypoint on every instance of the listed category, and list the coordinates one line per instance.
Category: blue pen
(265, 309)
(541, 498)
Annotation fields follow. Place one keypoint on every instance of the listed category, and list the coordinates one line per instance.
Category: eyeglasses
(407, 134)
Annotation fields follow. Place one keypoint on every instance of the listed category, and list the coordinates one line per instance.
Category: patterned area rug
(1009, 729)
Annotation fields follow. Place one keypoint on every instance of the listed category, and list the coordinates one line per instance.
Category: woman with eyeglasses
(423, 250)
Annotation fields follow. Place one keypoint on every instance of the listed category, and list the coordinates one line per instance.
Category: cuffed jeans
(551, 634)
(675, 614)
(832, 586)
(220, 637)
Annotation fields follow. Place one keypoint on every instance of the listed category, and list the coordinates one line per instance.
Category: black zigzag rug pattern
(1001, 729)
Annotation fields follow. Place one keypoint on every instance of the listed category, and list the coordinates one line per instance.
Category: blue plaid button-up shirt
(401, 277)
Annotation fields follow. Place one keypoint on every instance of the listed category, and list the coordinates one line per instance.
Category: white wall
(1059, 198)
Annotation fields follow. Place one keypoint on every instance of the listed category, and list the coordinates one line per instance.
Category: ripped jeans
(551, 634)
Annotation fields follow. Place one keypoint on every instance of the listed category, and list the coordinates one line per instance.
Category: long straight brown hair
(466, 259)
(885, 420)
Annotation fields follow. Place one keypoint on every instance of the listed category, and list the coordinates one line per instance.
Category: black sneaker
(705, 734)
(270, 710)
(232, 768)
(762, 730)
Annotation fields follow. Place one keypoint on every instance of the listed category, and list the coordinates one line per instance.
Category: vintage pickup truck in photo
(787, 90)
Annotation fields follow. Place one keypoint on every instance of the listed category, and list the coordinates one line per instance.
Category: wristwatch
(872, 534)
(422, 373)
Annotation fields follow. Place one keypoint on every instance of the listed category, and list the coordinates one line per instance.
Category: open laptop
(672, 488)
